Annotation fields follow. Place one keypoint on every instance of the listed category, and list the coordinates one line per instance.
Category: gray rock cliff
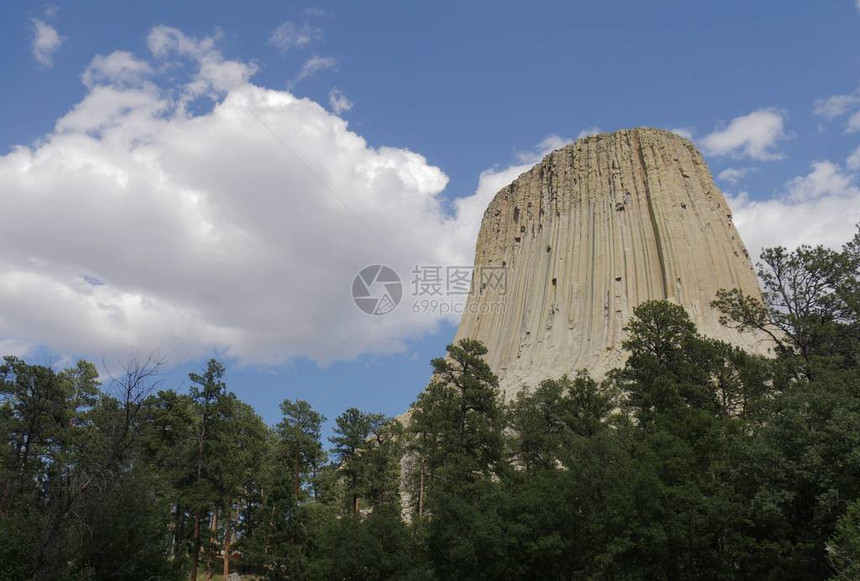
(591, 231)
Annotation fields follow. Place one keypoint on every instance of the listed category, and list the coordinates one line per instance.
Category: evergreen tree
(226, 435)
(277, 532)
(299, 433)
(356, 434)
(457, 428)
(797, 466)
(458, 420)
(843, 548)
(544, 422)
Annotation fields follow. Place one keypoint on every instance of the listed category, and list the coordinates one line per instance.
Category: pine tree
(457, 422)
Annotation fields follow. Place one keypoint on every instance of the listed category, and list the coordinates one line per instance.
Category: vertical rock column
(591, 231)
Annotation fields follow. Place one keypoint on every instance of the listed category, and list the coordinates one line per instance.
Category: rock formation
(590, 232)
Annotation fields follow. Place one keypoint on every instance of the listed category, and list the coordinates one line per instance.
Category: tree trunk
(421, 491)
(213, 543)
(25, 456)
(195, 549)
(227, 524)
(176, 531)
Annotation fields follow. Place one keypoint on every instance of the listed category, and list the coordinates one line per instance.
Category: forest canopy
(695, 460)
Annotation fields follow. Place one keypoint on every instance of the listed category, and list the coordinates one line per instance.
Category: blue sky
(140, 170)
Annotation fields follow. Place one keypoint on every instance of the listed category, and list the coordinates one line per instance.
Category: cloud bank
(822, 207)
(137, 223)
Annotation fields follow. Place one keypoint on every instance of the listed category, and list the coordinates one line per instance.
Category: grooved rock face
(587, 234)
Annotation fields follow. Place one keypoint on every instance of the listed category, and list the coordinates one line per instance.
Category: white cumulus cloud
(825, 179)
(754, 135)
(594, 130)
(822, 207)
(290, 35)
(837, 106)
(140, 222)
(316, 64)
(339, 102)
(117, 68)
(46, 41)
(685, 132)
(733, 175)
(549, 143)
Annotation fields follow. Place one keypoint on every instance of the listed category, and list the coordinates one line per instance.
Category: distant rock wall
(590, 232)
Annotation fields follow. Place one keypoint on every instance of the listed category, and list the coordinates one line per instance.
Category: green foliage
(367, 454)
(843, 548)
(137, 518)
(352, 547)
(299, 437)
(545, 422)
(810, 306)
(68, 464)
(457, 422)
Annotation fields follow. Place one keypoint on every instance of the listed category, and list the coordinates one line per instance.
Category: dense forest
(695, 460)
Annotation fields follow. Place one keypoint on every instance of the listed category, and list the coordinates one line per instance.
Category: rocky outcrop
(590, 232)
